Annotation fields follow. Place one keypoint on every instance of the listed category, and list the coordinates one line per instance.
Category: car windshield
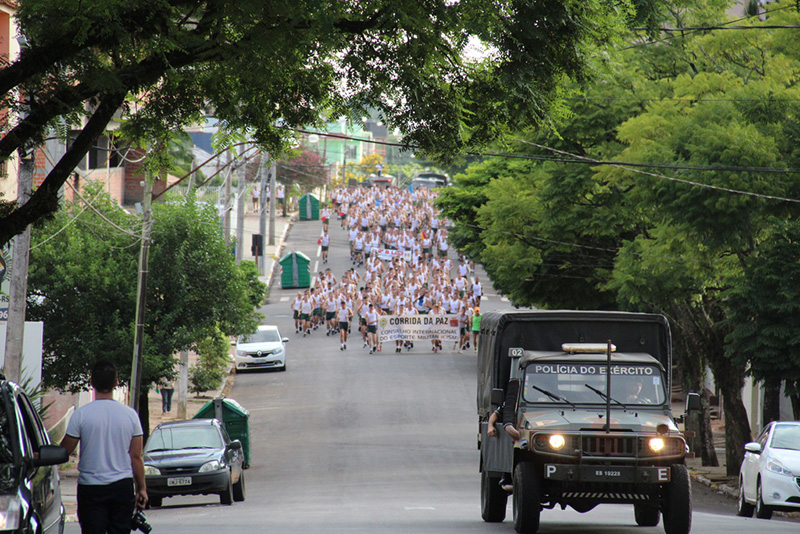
(786, 437)
(184, 437)
(261, 336)
(631, 384)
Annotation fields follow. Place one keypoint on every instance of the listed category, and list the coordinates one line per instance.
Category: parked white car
(769, 478)
(263, 349)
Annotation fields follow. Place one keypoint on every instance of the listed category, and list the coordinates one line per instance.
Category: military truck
(589, 396)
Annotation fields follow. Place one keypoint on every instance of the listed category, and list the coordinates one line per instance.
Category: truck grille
(612, 446)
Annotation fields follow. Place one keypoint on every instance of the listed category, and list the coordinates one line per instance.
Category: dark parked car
(30, 491)
(194, 457)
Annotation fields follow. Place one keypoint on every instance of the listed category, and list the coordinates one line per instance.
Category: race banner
(417, 328)
(387, 254)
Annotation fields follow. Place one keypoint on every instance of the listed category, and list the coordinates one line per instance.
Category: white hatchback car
(263, 349)
(769, 478)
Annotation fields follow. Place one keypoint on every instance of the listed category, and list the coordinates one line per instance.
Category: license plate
(179, 481)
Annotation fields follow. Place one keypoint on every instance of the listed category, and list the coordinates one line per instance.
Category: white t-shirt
(105, 428)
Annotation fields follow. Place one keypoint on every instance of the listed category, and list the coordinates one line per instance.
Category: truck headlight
(557, 441)
(656, 444)
(10, 512)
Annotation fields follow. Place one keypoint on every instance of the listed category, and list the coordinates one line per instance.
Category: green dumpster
(234, 417)
(295, 270)
(308, 208)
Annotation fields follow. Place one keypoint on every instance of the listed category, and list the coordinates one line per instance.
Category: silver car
(263, 349)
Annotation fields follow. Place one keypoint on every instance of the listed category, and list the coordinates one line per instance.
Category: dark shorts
(426, 250)
(463, 330)
(344, 325)
(442, 253)
(329, 316)
(318, 312)
(107, 507)
(362, 321)
(372, 328)
(324, 248)
(304, 317)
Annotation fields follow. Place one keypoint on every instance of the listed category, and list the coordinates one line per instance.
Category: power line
(626, 167)
(708, 28)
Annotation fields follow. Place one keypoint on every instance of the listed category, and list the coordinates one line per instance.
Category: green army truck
(587, 398)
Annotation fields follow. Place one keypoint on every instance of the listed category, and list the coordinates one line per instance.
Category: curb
(278, 248)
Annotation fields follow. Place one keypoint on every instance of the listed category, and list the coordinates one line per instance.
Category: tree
(266, 67)
(302, 167)
(83, 283)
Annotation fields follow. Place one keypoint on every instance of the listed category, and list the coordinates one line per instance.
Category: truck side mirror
(498, 397)
(692, 402)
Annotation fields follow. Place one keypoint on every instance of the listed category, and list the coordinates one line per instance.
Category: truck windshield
(631, 384)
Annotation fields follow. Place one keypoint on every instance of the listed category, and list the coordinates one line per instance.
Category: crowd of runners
(401, 265)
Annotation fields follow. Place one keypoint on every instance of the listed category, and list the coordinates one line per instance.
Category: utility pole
(262, 220)
(183, 384)
(226, 201)
(240, 207)
(141, 293)
(272, 208)
(15, 327)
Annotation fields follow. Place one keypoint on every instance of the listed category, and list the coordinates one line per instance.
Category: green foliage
(209, 371)
(83, 278)
(268, 67)
(764, 306)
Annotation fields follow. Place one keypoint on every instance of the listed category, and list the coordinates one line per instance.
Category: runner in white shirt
(343, 315)
(372, 329)
(296, 305)
(477, 291)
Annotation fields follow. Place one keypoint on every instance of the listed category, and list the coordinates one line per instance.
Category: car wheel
(226, 497)
(526, 496)
(238, 489)
(283, 367)
(762, 510)
(646, 515)
(743, 508)
(677, 510)
(493, 499)
(154, 502)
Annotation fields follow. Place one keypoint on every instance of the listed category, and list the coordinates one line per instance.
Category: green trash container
(234, 417)
(295, 270)
(308, 208)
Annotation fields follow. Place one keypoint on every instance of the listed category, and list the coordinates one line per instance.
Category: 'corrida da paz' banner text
(417, 328)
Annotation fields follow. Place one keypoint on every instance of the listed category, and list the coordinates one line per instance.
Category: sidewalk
(69, 472)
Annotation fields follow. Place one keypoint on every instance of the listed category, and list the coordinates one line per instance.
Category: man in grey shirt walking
(110, 436)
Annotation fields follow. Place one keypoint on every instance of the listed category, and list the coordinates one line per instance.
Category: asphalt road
(345, 441)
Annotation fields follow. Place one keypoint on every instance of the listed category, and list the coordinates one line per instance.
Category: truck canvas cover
(547, 330)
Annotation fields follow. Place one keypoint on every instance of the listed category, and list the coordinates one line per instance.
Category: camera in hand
(139, 522)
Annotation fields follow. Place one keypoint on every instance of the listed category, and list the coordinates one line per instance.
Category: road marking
(411, 508)
(285, 299)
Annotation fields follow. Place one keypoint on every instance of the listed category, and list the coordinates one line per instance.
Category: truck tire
(762, 510)
(677, 508)
(526, 498)
(646, 515)
(743, 508)
(493, 499)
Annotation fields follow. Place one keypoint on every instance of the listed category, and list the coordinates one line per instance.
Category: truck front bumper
(614, 474)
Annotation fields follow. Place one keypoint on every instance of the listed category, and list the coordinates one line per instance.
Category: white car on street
(263, 349)
(769, 478)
